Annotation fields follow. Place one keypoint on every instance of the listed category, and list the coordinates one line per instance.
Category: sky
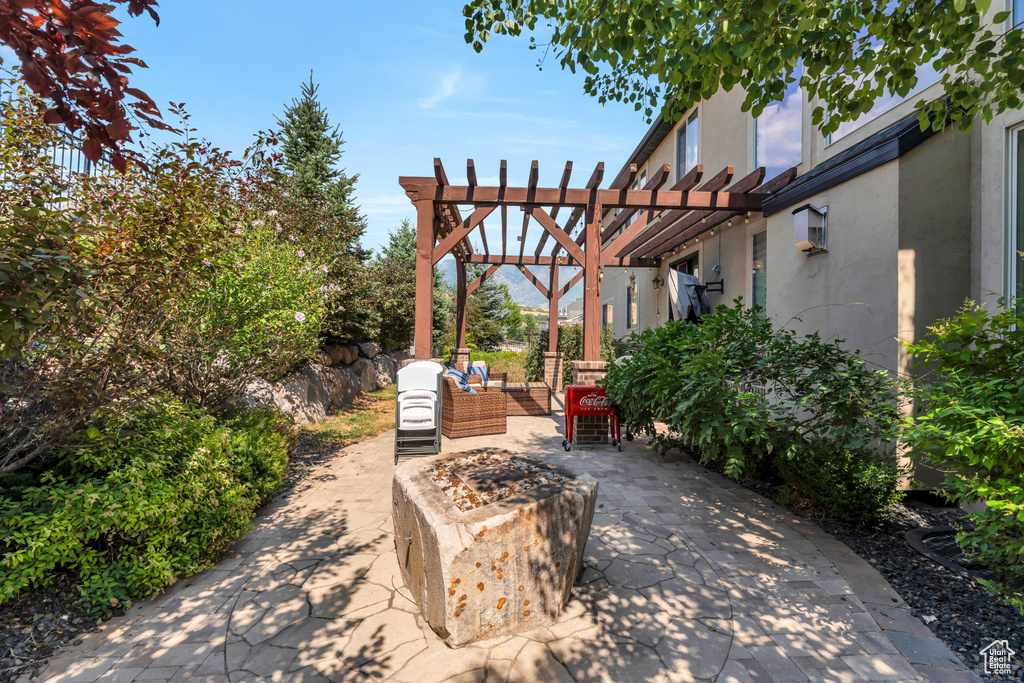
(399, 79)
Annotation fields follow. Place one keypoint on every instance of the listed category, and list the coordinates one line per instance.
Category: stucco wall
(850, 291)
(934, 235)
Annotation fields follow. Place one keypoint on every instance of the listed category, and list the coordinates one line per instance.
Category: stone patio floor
(688, 578)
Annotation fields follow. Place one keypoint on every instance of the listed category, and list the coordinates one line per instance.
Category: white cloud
(446, 86)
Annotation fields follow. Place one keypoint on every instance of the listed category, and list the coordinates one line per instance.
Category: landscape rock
(498, 569)
(337, 353)
(351, 354)
(366, 373)
(292, 392)
(368, 349)
(385, 369)
(260, 395)
(345, 386)
(323, 358)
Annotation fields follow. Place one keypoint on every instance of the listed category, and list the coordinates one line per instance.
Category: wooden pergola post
(592, 284)
(460, 303)
(553, 311)
(424, 326)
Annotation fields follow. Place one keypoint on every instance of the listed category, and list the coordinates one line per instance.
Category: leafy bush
(971, 426)
(253, 310)
(854, 485)
(749, 398)
(570, 344)
(142, 499)
(87, 268)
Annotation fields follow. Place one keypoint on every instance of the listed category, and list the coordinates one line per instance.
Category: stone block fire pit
(489, 541)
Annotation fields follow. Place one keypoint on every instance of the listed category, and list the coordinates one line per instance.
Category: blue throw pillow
(461, 378)
(480, 370)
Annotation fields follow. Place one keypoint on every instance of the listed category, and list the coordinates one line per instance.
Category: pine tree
(320, 196)
(311, 148)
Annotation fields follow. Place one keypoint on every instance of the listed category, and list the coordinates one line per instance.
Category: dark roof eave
(654, 136)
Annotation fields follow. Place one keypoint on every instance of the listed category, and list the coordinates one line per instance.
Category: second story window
(1018, 12)
(687, 139)
(777, 133)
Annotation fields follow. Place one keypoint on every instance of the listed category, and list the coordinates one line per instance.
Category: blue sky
(400, 80)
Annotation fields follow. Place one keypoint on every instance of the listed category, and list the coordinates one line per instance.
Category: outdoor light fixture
(658, 281)
(810, 229)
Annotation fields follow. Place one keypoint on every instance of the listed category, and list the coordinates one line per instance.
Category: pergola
(652, 221)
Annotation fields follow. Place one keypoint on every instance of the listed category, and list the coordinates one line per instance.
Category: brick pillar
(553, 370)
(460, 359)
(589, 428)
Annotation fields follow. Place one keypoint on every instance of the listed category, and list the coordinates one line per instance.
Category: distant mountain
(522, 290)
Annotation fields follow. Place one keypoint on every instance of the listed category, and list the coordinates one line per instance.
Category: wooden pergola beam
(655, 183)
(719, 181)
(461, 233)
(625, 199)
(471, 173)
(513, 260)
(673, 235)
(570, 284)
(480, 280)
(533, 278)
(710, 221)
(550, 226)
(562, 184)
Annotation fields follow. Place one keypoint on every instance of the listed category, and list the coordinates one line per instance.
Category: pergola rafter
(652, 221)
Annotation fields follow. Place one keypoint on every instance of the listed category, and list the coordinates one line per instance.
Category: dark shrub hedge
(154, 494)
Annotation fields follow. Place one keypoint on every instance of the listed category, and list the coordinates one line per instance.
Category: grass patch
(370, 414)
(512, 362)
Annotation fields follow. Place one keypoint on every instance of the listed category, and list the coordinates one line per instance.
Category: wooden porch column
(592, 284)
(460, 303)
(553, 311)
(424, 328)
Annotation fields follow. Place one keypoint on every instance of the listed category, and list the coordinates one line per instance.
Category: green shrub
(854, 485)
(747, 398)
(570, 344)
(254, 310)
(145, 498)
(971, 426)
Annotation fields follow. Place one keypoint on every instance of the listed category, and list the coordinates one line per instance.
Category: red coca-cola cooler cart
(588, 400)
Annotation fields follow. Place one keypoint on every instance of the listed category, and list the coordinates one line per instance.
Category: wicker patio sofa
(466, 414)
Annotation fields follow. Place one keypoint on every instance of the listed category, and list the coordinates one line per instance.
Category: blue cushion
(480, 370)
(461, 378)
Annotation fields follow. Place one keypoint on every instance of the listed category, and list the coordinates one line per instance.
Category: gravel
(37, 623)
(956, 608)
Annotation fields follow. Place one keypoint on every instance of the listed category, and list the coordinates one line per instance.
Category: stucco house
(915, 222)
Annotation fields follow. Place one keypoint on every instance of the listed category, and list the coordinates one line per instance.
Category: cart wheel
(620, 447)
(565, 444)
(629, 437)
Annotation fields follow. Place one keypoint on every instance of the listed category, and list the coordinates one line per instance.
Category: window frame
(753, 254)
(632, 301)
(1014, 200)
(608, 321)
(682, 132)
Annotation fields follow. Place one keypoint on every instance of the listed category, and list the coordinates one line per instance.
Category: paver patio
(688, 577)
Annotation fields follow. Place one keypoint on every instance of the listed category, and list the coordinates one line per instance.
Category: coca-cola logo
(594, 401)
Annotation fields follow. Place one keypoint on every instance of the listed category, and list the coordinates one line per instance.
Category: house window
(758, 283)
(777, 133)
(1018, 12)
(687, 139)
(632, 305)
(606, 317)
(1016, 232)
